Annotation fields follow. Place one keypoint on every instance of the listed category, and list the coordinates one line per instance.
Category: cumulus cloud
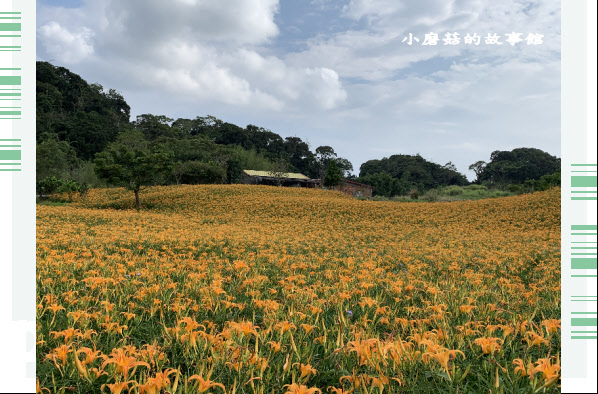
(250, 21)
(378, 51)
(204, 50)
(66, 46)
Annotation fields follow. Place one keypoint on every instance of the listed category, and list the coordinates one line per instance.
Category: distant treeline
(80, 123)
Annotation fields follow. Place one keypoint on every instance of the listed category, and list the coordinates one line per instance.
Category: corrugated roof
(288, 175)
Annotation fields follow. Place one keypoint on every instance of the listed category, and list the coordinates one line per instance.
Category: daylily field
(256, 289)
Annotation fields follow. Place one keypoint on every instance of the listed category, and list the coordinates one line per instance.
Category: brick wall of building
(355, 189)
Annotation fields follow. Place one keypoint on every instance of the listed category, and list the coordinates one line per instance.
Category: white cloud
(378, 53)
(250, 21)
(203, 50)
(66, 46)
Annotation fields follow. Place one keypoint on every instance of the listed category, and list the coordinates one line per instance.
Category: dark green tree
(155, 126)
(55, 158)
(519, 165)
(477, 168)
(298, 154)
(80, 113)
(344, 166)
(414, 172)
(132, 162)
(333, 176)
(385, 185)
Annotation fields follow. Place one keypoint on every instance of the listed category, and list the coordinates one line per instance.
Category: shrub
(517, 189)
(453, 190)
(431, 195)
(49, 185)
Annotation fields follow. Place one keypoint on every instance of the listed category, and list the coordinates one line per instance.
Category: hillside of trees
(85, 139)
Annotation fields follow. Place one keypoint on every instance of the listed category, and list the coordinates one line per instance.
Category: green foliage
(414, 172)
(55, 158)
(48, 186)
(333, 175)
(324, 155)
(199, 172)
(549, 181)
(85, 174)
(234, 170)
(302, 160)
(431, 195)
(384, 184)
(155, 126)
(453, 190)
(518, 166)
(132, 162)
(251, 159)
(79, 113)
(52, 185)
(477, 168)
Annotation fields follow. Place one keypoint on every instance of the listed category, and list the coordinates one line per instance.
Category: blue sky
(334, 73)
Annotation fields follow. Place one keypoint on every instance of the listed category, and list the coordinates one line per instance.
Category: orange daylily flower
(205, 384)
(489, 345)
(245, 328)
(300, 389)
(306, 370)
(550, 372)
(117, 388)
(443, 357)
(124, 362)
(61, 353)
(552, 325)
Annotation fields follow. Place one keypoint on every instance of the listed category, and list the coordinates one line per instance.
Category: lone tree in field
(132, 162)
(333, 175)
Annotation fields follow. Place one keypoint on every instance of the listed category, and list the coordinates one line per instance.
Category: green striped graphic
(10, 27)
(10, 49)
(584, 321)
(10, 154)
(10, 113)
(583, 264)
(583, 181)
(10, 80)
(584, 227)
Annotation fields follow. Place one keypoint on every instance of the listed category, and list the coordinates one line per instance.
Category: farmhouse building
(352, 188)
(289, 179)
(293, 179)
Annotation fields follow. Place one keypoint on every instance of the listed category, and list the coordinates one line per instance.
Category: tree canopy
(132, 162)
(82, 114)
(408, 172)
(517, 166)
